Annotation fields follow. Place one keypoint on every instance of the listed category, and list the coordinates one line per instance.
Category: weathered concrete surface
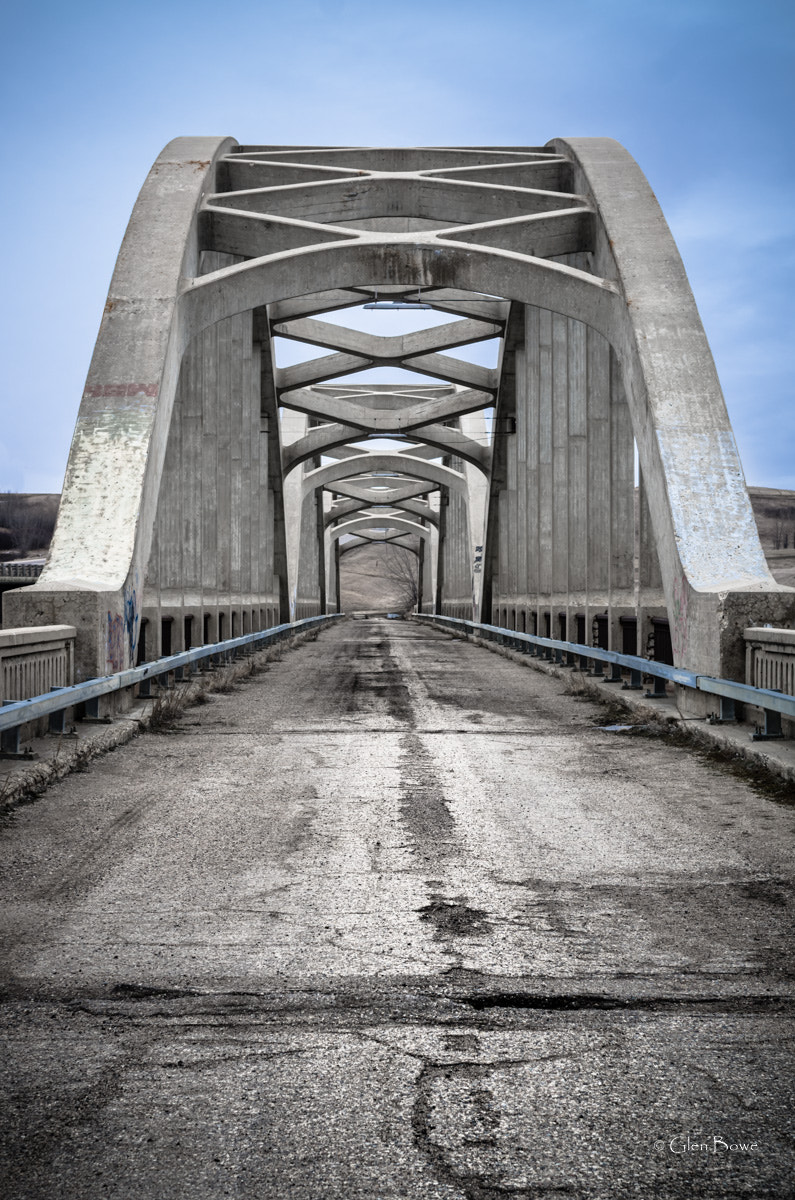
(396, 919)
(186, 499)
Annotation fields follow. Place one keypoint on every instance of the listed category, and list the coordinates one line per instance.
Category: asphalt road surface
(396, 918)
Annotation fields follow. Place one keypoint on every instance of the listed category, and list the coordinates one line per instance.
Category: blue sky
(700, 92)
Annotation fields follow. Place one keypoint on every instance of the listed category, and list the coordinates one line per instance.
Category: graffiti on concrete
(131, 617)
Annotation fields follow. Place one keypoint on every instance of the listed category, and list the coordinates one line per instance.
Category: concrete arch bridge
(546, 432)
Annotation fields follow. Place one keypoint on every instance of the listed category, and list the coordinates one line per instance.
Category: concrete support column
(171, 540)
(444, 500)
(337, 586)
(545, 477)
(292, 430)
(518, 439)
(650, 602)
(190, 402)
(262, 528)
(234, 403)
(622, 508)
(224, 489)
(209, 475)
(473, 426)
(527, 413)
(560, 462)
(320, 526)
(599, 464)
(577, 447)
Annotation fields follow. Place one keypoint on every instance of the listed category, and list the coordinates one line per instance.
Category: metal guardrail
(20, 712)
(773, 704)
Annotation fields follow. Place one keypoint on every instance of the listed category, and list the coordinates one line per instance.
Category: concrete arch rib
(394, 464)
(424, 262)
(118, 447)
(379, 522)
(329, 437)
(706, 536)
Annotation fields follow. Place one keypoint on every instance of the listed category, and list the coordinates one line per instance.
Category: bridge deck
(396, 919)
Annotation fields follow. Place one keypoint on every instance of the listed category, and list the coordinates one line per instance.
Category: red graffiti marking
(96, 390)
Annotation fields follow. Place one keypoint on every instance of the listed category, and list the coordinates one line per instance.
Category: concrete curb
(57, 758)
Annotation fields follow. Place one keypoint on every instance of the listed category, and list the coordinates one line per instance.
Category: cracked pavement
(395, 918)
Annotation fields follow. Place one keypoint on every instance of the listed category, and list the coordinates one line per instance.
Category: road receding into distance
(396, 918)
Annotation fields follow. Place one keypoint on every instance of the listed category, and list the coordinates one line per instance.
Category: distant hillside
(27, 521)
(369, 580)
(774, 510)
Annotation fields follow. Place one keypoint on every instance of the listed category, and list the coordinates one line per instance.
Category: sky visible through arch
(700, 92)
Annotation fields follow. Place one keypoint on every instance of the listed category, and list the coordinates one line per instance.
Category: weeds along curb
(159, 714)
(763, 771)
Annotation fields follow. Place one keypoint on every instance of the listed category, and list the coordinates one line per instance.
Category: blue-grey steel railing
(21, 711)
(773, 704)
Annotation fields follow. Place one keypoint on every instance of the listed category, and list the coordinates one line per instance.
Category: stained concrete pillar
(560, 462)
(528, 416)
(622, 507)
(577, 449)
(545, 467)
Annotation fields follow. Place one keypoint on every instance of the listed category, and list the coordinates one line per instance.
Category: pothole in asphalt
(453, 918)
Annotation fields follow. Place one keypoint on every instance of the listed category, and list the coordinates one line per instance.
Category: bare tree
(401, 567)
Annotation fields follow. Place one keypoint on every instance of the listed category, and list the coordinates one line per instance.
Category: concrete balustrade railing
(34, 660)
(770, 663)
(21, 570)
(770, 659)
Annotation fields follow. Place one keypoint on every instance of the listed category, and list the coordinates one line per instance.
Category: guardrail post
(635, 681)
(56, 723)
(770, 730)
(659, 689)
(92, 713)
(615, 675)
(726, 712)
(9, 742)
(597, 670)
